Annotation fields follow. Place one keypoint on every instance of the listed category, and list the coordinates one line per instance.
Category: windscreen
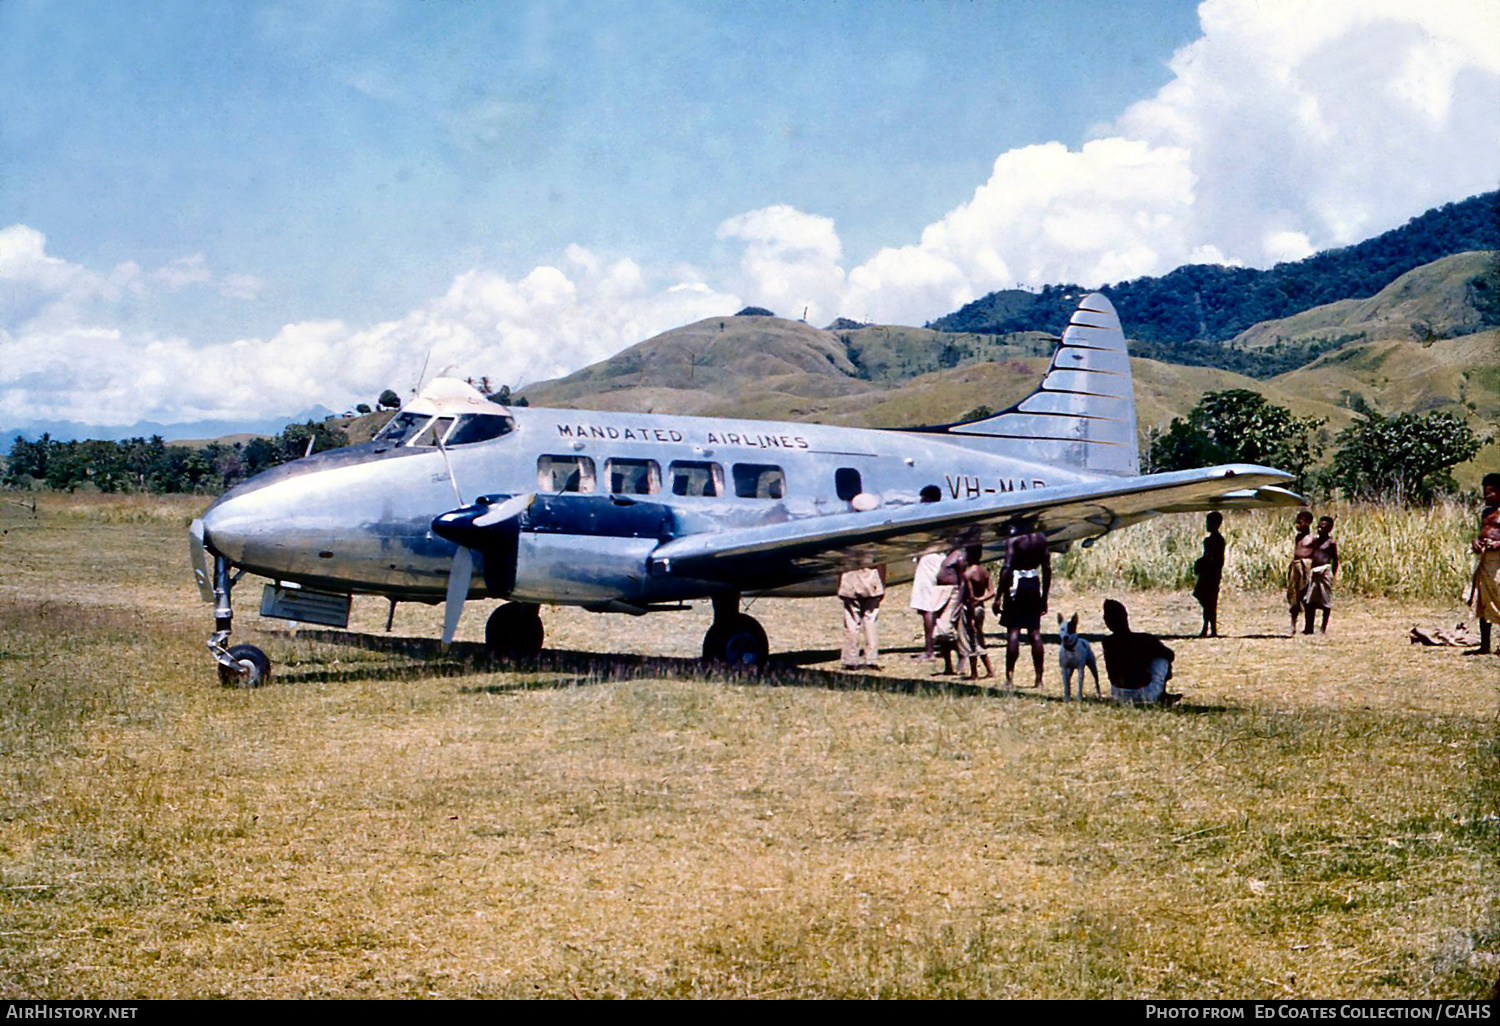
(401, 427)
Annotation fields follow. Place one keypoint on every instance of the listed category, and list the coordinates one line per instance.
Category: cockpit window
(440, 428)
(479, 427)
(402, 427)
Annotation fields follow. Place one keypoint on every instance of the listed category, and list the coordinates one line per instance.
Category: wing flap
(793, 550)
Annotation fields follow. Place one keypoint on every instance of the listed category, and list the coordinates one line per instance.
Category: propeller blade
(511, 507)
(459, 576)
(448, 466)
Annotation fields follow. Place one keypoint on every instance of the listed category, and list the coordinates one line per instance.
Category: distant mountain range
(70, 430)
(1365, 316)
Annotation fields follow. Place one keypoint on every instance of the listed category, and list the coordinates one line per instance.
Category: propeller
(465, 527)
(460, 574)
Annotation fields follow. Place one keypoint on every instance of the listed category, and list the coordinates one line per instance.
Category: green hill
(1445, 298)
(1213, 303)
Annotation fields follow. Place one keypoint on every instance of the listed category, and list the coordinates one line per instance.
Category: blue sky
(290, 203)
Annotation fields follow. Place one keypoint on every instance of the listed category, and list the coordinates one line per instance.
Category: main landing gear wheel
(738, 643)
(252, 668)
(514, 631)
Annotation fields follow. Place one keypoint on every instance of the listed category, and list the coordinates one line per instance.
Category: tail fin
(1082, 416)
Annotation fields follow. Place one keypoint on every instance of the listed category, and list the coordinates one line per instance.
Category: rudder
(1082, 416)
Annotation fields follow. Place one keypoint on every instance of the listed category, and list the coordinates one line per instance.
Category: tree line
(151, 465)
(1407, 458)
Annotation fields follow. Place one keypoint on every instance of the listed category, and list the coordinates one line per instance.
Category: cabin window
(439, 428)
(565, 474)
(402, 427)
(696, 479)
(759, 481)
(480, 427)
(633, 477)
(847, 483)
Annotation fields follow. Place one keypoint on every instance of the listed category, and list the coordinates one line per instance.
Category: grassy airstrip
(1320, 817)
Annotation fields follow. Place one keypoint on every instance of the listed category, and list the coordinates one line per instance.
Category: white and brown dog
(1074, 654)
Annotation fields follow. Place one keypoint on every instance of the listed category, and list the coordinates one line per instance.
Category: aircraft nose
(274, 520)
(231, 523)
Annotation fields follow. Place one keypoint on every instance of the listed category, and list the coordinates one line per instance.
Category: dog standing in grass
(1074, 654)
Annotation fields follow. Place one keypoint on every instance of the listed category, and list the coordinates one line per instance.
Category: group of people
(1309, 576)
(952, 591)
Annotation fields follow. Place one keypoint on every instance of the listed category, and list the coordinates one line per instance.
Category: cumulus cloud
(62, 362)
(1287, 128)
(790, 261)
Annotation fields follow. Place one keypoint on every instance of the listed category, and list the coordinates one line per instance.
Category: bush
(1406, 458)
(1237, 426)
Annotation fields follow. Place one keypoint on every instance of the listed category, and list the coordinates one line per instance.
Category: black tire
(514, 631)
(253, 671)
(738, 644)
(713, 643)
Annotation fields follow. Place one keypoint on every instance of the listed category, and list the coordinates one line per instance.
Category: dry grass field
(1320, 816)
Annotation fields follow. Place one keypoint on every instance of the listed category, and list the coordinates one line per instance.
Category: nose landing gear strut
(240, 666)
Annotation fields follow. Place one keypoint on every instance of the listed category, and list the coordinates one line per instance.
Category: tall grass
(1384, 549)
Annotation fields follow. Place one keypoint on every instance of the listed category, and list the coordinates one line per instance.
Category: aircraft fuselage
(611, 487)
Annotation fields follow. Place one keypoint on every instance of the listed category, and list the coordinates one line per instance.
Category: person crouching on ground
(861, 591)
(1485, 597)
(1138, 664)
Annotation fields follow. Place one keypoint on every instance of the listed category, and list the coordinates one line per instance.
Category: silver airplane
(459, 498)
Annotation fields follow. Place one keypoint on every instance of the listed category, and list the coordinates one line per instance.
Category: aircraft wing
(778, 554)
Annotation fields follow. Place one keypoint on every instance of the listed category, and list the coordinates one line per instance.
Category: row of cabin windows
(643, 477)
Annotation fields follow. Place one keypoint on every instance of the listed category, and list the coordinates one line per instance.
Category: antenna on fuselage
(423, 375)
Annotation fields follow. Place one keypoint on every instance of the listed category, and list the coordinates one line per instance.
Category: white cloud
(71, 365)
(184, 271)
(1288, 128)
(790, 261)
(241, 286)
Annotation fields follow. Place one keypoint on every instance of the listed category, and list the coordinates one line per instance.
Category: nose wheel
(251, 669)
(240, 666)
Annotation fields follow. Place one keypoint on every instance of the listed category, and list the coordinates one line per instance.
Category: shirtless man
(946, 631)
(1325, 567)
(1299, 570)
(1025, 584)
(1486, 594)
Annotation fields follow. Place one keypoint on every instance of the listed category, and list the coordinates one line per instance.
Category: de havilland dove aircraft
(458, 498)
